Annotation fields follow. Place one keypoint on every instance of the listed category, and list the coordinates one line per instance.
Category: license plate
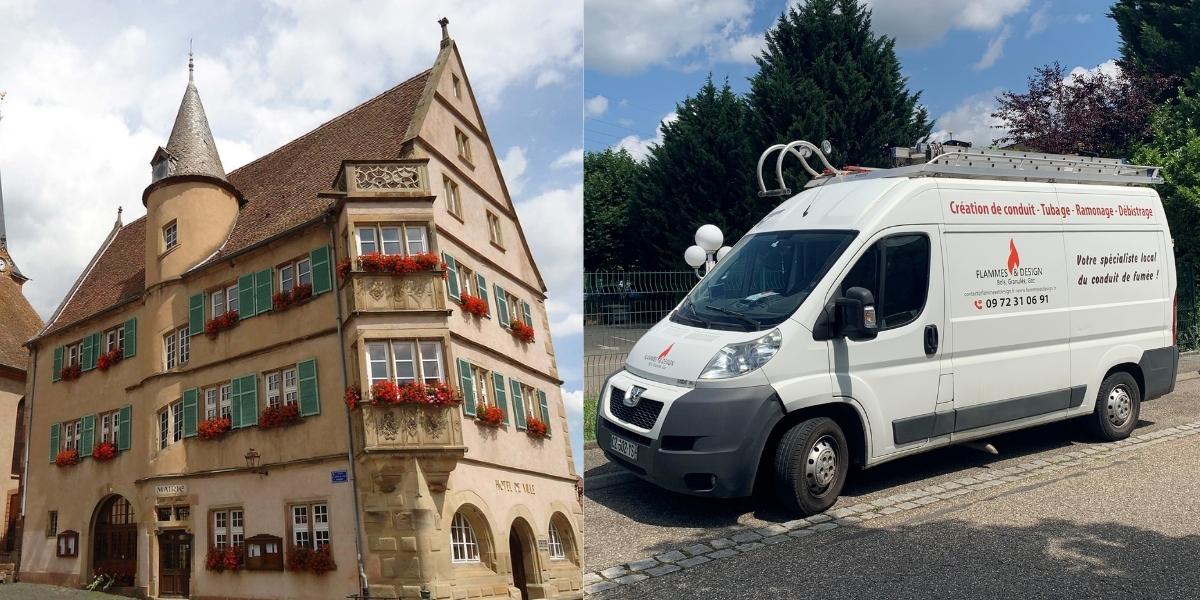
(623, 447)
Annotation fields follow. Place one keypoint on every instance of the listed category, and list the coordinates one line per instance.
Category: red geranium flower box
(104, 451)
(278, 416)
(110, 358)
(70, 373)
(285, 300)
(535, 427)
(490, 415)
(374, 262)
(343, 268)
(224, 559)
(473, 305)
(217, 325)
(301, 558)
(353, 397)
(67, 458)
(521, 331)
(211, 429)
(434, 394)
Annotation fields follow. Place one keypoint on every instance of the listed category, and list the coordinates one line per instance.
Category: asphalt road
(1129, 529)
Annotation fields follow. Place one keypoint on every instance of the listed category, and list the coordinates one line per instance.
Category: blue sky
(959, 53)
(93, 88)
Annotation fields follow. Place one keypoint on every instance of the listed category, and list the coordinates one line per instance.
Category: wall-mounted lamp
(252, 461)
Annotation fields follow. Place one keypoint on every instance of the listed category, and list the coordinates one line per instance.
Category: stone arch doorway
(522, 552)
(114, 540)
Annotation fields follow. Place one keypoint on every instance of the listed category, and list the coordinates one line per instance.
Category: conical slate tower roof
(190, 150)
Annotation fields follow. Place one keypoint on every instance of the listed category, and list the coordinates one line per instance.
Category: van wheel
(1117, 407)
(810, 466)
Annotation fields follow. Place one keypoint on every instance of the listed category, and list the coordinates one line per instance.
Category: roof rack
(944, 160)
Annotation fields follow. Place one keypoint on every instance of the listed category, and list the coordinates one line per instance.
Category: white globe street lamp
(707, 251)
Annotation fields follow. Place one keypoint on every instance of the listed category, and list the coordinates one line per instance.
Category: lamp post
(707, 251)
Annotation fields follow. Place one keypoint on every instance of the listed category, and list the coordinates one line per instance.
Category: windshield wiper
(696, 316)
(733, 313)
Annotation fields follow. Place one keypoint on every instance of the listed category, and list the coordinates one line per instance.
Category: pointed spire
(445, 23)
(190, 149)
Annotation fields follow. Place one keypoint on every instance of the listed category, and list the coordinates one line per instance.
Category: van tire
(1118, 405)
(801, 466)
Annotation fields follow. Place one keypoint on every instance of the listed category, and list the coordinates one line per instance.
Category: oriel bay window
(403, 238)
(404, 361)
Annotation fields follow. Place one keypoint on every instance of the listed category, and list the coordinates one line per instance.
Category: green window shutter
(322, 276)
(196, 314)
(467, 382)
(126, 433)
(451, 275)
(501, 306)
(235, 403)
(53, 441)
(89, 352)
(501, 396)
(518, 403)
(246, 297)
(310, 401)
(526, 313)
(545, 410)
(481, 283)
(191, 411)
(249, 400)
(131, 338)
(58, 364)
(263, 282)
(87, 439)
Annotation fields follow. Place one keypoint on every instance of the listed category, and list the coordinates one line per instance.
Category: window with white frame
(72, 435)
(467, 282)
(464, 547)
(310, 525)
(164, 428)
(228, 528)
(177, 421)
(482, 380)
(110, 427)
(494, 232)
(114, 339)
(218, 401)
(405, 361)
(170, 424)
(556, 546)
(453, 199)
(282, 387)
(392, 239)
(177, 347)
(74, 354)
(211, 402)
(223, 300)
(170, 236)
(226, 400)
(294, 274)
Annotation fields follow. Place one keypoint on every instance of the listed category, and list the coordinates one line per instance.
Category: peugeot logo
(633, 396)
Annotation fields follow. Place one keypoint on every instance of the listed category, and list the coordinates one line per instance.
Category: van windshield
(763, 280)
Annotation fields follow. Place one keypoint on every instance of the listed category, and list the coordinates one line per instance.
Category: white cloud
(557, 218)
(628, 36)
(1108, 67)
(745, 48)
(924, 23)
(573, 403)
(513, 165)
(595, 106)
(568, 159)
(971, 120)
(91, 98)
(1039, 20)
(995, 49)
(639, 147)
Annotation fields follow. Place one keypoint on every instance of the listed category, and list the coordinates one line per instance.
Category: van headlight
(739, 359)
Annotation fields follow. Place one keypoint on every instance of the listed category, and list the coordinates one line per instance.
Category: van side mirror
(855, 316)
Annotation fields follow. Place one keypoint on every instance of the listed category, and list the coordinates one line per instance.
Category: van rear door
(895, 377)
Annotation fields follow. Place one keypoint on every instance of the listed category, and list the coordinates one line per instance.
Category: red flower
(343, 268)
(435, 394)
(535, 427)
(221, 559)
(489, 414)
(70, 373)
(374, 262)
(104, 451)
(211, 429)
(233, 558)
(385, 392)
(67, 458)
(473, 305)
(278, 416)
(521, 331)
(301, 558)
(110, 358)
(298, 294)
(353, 397)
(216, 325)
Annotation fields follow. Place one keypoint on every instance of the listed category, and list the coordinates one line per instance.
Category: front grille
(644, 415)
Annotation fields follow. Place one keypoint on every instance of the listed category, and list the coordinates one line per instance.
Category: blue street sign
(338, 477)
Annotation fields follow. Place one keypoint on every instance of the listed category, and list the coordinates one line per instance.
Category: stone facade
(387, 478)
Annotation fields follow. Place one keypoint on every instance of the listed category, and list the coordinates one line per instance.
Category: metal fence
(618, 307)
(1187, 311)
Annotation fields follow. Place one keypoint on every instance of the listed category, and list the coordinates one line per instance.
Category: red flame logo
(666, 352)
(1014, 259)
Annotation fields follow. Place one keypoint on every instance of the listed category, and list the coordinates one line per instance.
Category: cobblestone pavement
(33, 591)
(665, 533)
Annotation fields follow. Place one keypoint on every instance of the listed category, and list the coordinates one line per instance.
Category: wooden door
(174, 563)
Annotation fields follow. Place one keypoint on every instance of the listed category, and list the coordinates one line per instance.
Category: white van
(884, 313)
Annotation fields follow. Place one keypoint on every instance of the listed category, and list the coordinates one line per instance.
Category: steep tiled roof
(18, 320)
(280, 190)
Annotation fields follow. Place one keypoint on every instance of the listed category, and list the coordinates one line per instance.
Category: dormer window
(170, 236)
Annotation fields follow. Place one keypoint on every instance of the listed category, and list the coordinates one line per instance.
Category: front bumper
(705, 442)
